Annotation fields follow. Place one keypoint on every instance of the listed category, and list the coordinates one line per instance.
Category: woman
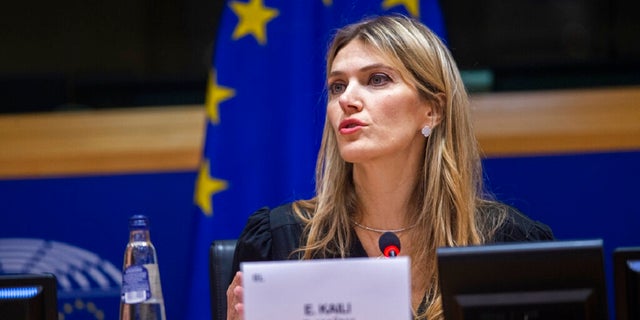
(398, 154)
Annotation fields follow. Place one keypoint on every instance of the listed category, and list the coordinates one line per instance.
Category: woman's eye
(379, 79)
(336, 88)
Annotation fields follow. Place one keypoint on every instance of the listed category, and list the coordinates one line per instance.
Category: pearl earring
(426, 131)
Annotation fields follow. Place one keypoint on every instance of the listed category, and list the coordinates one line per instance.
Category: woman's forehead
(366, 53)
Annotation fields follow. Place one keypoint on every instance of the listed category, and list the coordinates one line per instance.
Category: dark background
(75, 54)
(69, 54)
(547, 44)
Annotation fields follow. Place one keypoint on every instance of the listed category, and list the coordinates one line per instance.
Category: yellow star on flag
(327, 2)
(215, 95)
(252, 19)
(412, 6)
(206, 187)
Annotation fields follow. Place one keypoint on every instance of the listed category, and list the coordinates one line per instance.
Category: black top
(274, 234)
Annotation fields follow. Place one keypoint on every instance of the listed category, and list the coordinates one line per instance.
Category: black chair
(220, 263)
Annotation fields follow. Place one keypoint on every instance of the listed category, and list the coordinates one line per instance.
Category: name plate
(331, 289)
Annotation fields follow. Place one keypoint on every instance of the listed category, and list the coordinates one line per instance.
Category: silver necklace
(381, 230)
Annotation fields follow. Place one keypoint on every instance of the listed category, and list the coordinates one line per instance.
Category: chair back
(220, 263)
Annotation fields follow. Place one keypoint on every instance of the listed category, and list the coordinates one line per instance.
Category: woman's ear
(436, 109)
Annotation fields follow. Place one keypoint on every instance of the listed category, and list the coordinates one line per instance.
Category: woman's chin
(355, 155)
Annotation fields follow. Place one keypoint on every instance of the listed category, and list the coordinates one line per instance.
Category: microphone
(389, 244)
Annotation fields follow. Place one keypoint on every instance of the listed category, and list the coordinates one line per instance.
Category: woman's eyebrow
(363, 69)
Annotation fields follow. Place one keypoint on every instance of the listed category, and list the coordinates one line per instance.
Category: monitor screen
(626, 273)
(533, 280)
(28, 297)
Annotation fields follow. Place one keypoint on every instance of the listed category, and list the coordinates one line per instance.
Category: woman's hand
(235, 307)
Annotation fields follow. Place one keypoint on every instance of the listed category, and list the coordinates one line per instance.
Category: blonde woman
(398, 154)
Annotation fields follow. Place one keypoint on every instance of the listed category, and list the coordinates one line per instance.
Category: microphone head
(389, 244)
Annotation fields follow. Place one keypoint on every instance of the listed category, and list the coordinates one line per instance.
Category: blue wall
(92, 213)
(580, 196)
(589, 196)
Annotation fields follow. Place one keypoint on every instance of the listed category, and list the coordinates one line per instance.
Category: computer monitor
(533, 280)
(626, 275)
(28, 297)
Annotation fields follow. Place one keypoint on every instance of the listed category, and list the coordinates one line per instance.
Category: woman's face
(374, 113)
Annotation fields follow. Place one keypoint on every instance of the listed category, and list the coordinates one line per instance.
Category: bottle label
(141, 283)
(154, 283)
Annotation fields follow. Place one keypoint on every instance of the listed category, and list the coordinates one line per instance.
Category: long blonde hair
(449, 188)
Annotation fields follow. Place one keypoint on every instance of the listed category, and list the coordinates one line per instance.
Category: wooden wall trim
(101, 142)
(161, 139)
(563, 121)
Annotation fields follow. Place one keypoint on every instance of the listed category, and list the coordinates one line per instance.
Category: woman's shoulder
(270, 234)
(283, 216)
(515, 226)
(266, 219)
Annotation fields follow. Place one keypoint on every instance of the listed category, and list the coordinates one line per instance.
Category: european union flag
(265, 108)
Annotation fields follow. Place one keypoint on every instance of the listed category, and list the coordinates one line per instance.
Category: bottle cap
(138, 221)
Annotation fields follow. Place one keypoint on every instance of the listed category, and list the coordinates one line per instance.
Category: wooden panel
(101, 142)
(170, 138)
(551, 122)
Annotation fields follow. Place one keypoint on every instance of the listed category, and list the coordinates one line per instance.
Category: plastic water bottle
(141, 295)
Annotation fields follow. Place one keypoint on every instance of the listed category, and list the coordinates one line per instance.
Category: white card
(335, 289)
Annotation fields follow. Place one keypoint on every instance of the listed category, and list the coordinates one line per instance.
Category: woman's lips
(349, 126)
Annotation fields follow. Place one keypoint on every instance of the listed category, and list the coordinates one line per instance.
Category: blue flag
(265, 111)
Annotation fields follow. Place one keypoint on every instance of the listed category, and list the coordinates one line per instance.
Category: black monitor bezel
(621, 275)
(529, 268)
(48, 294)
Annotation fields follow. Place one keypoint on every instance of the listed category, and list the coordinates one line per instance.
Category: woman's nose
(351, 99)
